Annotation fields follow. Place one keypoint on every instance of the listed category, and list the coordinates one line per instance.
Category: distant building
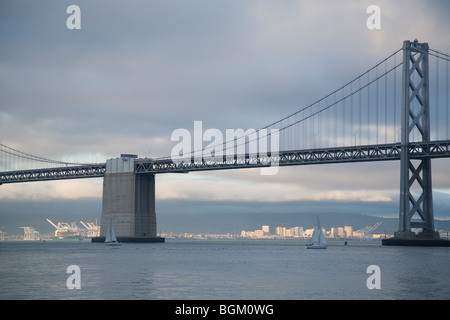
(280, 231)
(348, 230)
(358, 235)
(266, 229)
(308, 233)
(297, 232)
(333, 232)
(259, 233)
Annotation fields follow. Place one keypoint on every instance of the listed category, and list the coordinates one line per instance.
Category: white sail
(108, 234)
(110, 238)
(317, 240)
(113, 234)
(315, 236)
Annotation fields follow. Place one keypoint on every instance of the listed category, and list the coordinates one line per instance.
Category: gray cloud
(137, 71)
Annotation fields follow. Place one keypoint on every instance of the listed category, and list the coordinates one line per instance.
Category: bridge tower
(128, 202)
(415, 173)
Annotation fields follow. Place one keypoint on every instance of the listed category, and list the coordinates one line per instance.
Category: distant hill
(229, 217)
(180, 216)
(235, 222)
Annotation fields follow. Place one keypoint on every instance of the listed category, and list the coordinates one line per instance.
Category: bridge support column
(415, 173)
(128, 203)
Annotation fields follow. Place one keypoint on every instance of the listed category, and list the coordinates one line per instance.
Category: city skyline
(217, 217)
(346, 232)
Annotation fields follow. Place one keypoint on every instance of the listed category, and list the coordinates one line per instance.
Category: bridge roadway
(380, 152)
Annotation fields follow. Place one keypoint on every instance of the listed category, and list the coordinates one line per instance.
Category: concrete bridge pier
(128, 202)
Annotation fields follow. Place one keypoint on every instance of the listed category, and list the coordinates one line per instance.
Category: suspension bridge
(396, 110)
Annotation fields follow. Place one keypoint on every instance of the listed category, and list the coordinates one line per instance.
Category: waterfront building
(348, 230)
(280, 231)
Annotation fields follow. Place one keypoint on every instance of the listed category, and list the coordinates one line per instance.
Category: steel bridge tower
(415, 173)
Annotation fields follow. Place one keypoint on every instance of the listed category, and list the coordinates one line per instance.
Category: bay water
(223, 270)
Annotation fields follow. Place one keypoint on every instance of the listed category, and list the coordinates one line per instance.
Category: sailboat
(318, 240)
(111, 239)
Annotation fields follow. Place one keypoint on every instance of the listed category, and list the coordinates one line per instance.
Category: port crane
(369, 229)
(62, 227)
(93, 230)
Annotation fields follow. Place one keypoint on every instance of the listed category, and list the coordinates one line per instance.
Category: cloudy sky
(138, 70)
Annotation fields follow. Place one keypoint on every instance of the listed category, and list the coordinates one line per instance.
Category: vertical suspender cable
(385, 103)
(395, 102)
(327, 123)
(376, 106)
(335, 122)
(352, 121)
(437, 99)
(446, 100)
(343, 118)
(359, 109)
(368, 110)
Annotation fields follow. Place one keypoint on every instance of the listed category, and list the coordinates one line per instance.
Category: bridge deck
(381, 152)
(69, 172)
